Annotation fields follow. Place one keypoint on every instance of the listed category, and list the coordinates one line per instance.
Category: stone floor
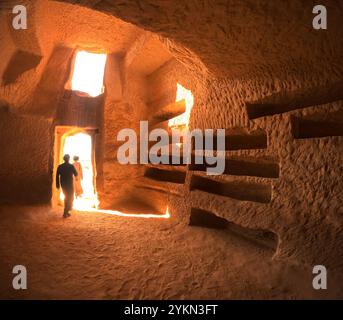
(94, 255)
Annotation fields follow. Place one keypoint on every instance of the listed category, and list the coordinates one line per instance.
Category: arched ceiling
(229, 38)
(234, 37)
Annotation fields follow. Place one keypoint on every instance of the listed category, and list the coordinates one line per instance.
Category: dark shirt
(64, 175)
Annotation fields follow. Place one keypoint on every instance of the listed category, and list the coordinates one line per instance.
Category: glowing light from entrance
(80, 145)
(88, 75)
(132, 215)
(183, 119)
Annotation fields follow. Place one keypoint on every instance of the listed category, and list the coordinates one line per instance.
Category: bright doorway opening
(79, 144)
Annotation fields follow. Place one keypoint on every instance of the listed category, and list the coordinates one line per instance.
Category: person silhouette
(64, 179)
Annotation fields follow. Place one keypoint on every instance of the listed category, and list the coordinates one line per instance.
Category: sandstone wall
(26, 159)
(34, 67)
(306, 202)
(124, 108)
(305, 208)
(228, 53)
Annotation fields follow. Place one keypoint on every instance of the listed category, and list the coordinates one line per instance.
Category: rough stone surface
(25, 163)
(227, 53)
(132, 258)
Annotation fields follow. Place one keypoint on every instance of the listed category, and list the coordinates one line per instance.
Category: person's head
(76, 158)
(66, 158)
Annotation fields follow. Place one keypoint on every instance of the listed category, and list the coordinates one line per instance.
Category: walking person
(64, 179)
(78, 179)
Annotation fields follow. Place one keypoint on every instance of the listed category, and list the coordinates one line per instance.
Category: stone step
(308, 128)
(288, 101)
(244, 166)
(239, 190)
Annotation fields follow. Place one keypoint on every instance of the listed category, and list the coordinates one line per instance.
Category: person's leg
(70, 196)
(68, 201)
(78, 187)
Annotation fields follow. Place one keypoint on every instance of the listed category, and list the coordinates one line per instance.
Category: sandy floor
(101, 256)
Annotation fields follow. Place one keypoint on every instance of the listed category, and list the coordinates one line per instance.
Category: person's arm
(81, 172)
(58, 178)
